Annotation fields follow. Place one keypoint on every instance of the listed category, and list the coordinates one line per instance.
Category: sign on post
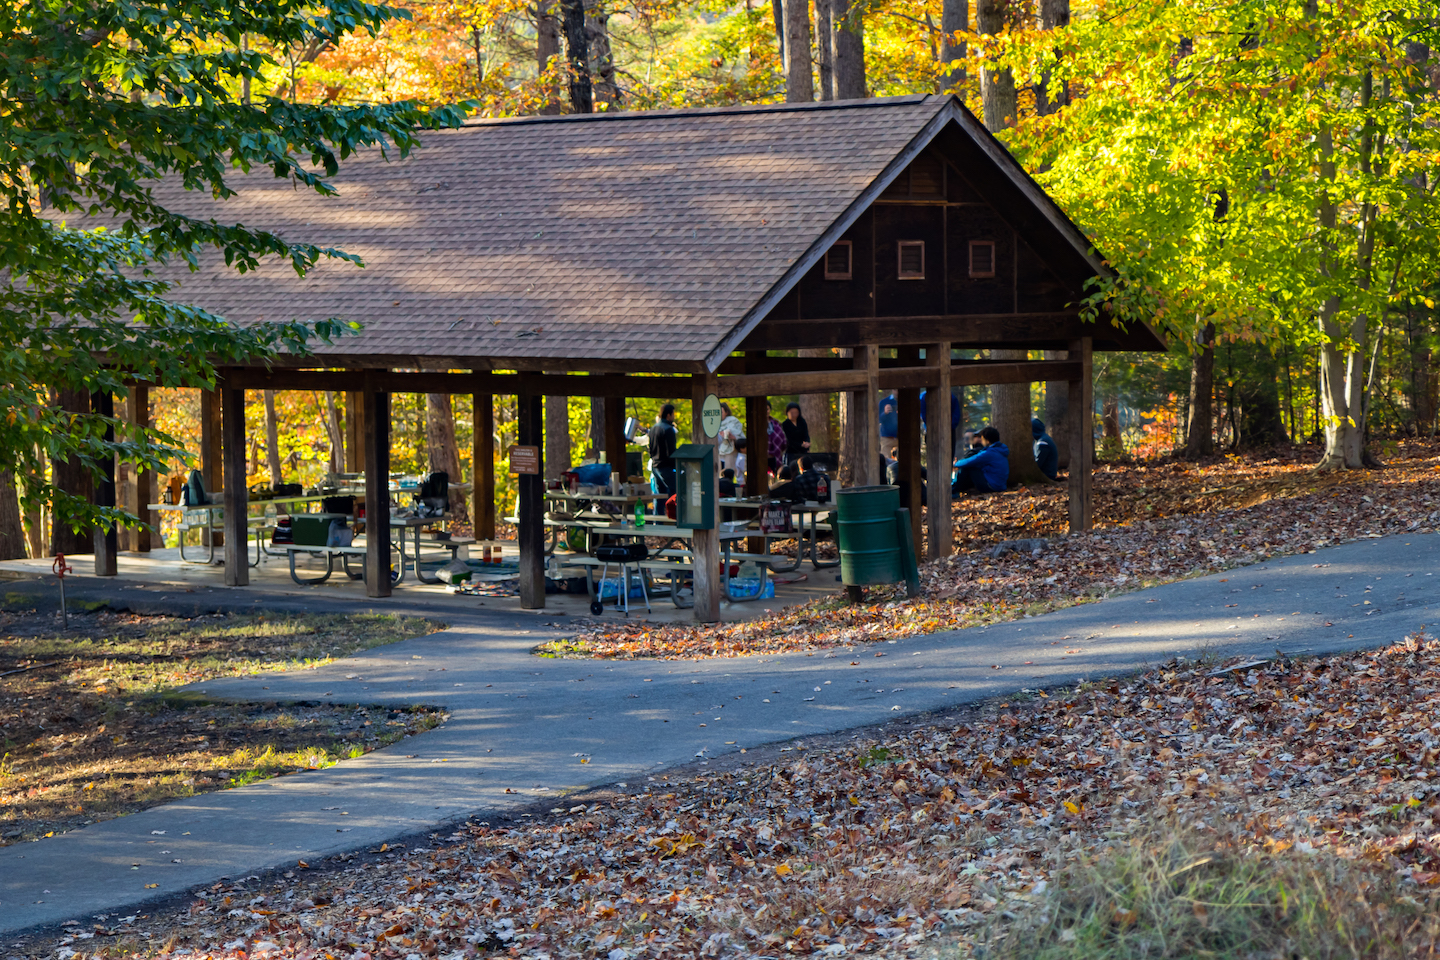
(524, 459)
(710, 416)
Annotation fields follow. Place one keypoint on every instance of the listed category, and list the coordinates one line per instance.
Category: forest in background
(1260, 177)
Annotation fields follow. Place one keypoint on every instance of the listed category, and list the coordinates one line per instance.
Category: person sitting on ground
(811, 484)
(892, 477)
(1047, 455)
(727, 482)
(985, 472)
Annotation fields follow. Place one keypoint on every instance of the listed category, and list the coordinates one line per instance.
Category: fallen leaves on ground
(94, 728)
(1155, 523)
(923, 835)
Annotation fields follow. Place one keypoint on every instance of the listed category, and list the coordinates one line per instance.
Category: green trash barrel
(868, 539)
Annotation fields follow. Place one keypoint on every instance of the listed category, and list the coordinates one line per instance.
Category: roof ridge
(738, 110)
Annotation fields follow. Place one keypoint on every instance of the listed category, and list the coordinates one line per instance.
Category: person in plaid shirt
(776, 435)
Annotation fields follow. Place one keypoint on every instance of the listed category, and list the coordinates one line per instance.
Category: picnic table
(213, 521)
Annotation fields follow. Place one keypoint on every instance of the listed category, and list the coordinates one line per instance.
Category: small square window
(982, 258)
(912, 259)
(838, 261)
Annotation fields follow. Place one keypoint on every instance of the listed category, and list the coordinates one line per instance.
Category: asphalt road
(525, 728)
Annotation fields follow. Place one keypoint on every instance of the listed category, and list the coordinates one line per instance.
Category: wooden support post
(375, 438)
(211, 470)
(145, 492)
(530, 512)
(103, 404)
(757, 446)
(867, 407)
(909, 453)
(705, 544)
(614, 436)
(938, 436)
(71, 477)
(1081, 403)
(237, 534)
(354, 416)
(482, 466)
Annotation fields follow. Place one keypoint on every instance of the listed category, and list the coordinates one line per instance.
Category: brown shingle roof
(645, 238)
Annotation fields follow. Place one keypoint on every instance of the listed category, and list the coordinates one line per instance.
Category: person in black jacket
(797, 433)
(662, 450)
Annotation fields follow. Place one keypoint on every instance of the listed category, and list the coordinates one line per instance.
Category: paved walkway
(524, 728)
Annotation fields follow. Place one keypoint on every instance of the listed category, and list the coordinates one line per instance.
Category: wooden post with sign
(705, 544)
(526, 461)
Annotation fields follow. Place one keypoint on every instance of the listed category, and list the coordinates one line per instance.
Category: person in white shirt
(731, 429)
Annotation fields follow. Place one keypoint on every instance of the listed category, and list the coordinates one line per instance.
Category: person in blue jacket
(1047, 455)
(889, 426)
(987, 471)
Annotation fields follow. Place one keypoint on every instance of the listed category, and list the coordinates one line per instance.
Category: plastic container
(868, 539)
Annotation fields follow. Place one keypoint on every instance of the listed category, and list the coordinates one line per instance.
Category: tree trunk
(547, 48)
(1054, 15)
(12, 529)
(777, 8)
(1342, 375)
(1200, 432)
(852, 436)
(799, 84)
(954, 17)
(577, 52)
(557, 436)
(847, 48)
(602, 58)
(1057, 406)
(272, 439)
(336, 434)
(597, 425)
(1010, 414)
(444, 451)
(997, 87)
(824, 49)
(1111, 440)
(815, 408)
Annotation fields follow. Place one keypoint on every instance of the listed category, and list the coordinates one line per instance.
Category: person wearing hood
(987, 471)
(1047, 455)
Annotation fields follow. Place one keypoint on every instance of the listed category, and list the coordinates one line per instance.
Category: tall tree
(547, 48)
(799, 83)
(997, 82)
(80, 310)
(272, 439)
(1054, 15)
(815, 408)
(443, 450)
(12, 527)
(1200, 429)
(602, 57)
(954, 22)
(577, 51)
(824, 49)
(557, 436)
(847, 49)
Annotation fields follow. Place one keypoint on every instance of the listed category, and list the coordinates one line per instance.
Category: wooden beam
(705, 544)
(908, 377)
(781, 384)
(757, 449)
(555, 385)
(1082, 436)
(482, 467)
(376, 434)
(530, 513)
(1028, 330)
(105, 539)
(144, 490)
(938, 436)
(237, 534)
(909, 453)
(1020, 371)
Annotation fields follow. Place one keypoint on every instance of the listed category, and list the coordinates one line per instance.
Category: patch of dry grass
(92, 725)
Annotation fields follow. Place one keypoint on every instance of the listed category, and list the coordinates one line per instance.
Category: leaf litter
(920, 836)
(1155, 523)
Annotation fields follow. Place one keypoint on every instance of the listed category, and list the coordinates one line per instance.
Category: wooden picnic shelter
(670, 254)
